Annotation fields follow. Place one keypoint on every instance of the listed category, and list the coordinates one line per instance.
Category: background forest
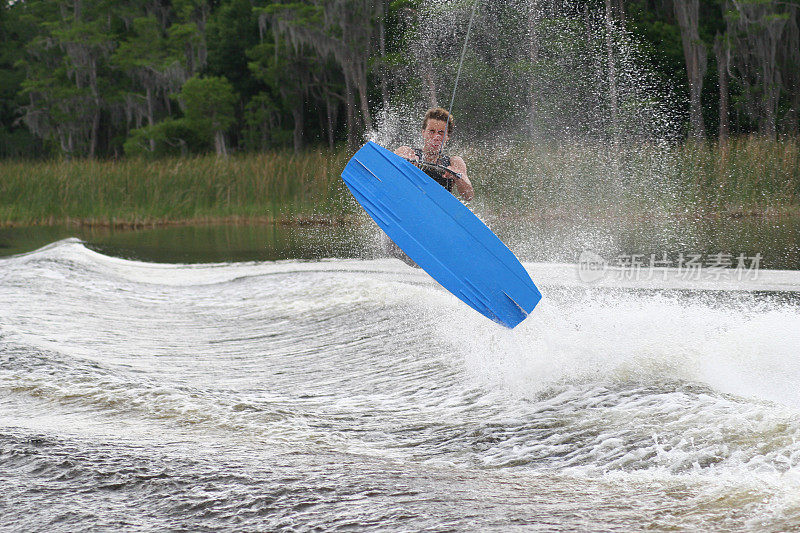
(103, 79)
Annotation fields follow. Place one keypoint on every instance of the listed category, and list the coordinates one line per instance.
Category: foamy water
(359, 394)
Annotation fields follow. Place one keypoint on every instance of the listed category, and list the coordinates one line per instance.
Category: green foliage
(208, 104)
(168, 137)
(150, 55)
(85, 78)
(233, 29)
(262, 127)
(299, 14)
(15, 139)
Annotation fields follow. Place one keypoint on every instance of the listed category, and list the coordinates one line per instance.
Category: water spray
(458, 75)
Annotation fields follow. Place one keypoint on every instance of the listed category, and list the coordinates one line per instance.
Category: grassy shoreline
(271, 186)
(300, 220)
(750, 177)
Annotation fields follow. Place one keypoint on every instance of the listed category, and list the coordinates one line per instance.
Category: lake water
(274, 378)
(777, 240)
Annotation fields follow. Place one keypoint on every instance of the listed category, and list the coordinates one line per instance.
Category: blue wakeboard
(441, 235)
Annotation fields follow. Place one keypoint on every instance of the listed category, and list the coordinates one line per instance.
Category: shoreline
(750, 178)
(306, 220)
(237, 220)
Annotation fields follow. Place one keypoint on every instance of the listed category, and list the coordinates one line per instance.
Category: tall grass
(749, 175)
(133, 191)
(579, 179)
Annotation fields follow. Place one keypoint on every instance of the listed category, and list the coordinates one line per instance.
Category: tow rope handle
(433, 166)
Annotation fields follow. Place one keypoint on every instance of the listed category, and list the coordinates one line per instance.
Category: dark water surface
(776, 239)
(197, 244)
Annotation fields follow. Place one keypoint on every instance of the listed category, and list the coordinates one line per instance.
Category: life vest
(437, 175)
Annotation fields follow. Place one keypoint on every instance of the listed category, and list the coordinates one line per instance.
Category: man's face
(433, 134)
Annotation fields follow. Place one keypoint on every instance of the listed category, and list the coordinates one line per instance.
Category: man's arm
(463, 185)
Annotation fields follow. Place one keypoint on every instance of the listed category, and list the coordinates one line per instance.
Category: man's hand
(407, 153)
(463, 184)
(457, 167)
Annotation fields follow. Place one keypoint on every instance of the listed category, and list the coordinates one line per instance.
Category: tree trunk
(361, 84)
(93, 137)
(768, 51)
(791, 71)
(331, 121)
(533, 19)
(219, 143)
(694, 52)
(97, 102)
(721, 53)
(427, 74)
(297, 133)
(382, 38)
(427, 71)
(433, 99)
(350, 110)
(616, 9)
(758, 30)
(150, 118)
(612, 74)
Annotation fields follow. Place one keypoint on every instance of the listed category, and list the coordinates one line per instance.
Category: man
(436, 130)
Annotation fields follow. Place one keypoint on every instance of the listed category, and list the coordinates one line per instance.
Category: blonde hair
(439, 113)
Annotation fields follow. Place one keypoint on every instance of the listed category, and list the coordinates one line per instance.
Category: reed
(749, 175)
(270, 186)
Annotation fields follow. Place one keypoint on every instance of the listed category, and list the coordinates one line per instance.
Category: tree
(233, 29)
(286, 70)
(345, 30)
(63, 80)
(208, 105)
(153, 63)
(171, 136)
(15, 33)
(789, 64)
(695, 54)
(722, 54)
(756, 28)
(262, 119)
